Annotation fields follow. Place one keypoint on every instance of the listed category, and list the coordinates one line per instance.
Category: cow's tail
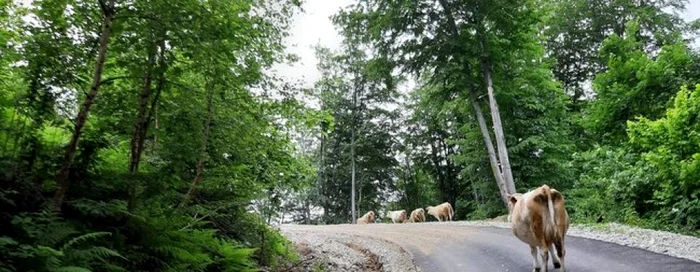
(550, 207)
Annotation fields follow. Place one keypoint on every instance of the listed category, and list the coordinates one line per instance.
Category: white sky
(314, 26)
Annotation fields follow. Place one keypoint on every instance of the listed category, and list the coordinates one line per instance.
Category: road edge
(661, 242)
(393, 256)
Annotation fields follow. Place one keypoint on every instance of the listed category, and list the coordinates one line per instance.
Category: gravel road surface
(459, 246)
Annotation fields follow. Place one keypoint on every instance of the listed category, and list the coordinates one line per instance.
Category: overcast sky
(312, 27)
(315, 27)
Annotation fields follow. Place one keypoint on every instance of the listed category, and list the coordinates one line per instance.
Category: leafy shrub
(672, 145)
(612, 184)
(654, 182)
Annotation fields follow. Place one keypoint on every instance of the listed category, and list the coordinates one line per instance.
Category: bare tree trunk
(141, 113)
(152, 111)
(407, 177)
(307, 212)
(359, 197)
(203, 149)
(322, 169)
(352, 154)
(154, 146)
(449, 171)
(498, 128)
(439, 171)
(144, 118)
(489, 147)
(62, 176)
(476, 195)
(282, 217)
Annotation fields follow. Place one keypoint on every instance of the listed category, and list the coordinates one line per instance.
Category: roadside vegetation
(598, 99)
(151, 136)
(142, 135)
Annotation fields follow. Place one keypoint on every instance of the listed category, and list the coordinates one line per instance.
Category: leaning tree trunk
(498, 175)
(69, 154)
(203, 150)
(489, 147)
(498, 128)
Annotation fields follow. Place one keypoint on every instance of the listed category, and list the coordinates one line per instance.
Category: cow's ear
(512, 199)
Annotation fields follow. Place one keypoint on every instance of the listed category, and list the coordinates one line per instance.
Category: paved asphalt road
(453, 247)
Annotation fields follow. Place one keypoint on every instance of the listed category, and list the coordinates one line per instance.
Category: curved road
(453, 247)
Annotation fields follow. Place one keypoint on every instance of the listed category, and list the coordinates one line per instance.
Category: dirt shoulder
(332, 251)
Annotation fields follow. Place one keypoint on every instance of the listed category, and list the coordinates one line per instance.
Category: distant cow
(442, 211)
(398, 216)
(369, 217)
(417, 215)
(540, 220)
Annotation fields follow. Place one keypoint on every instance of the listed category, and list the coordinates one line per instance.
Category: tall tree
(454, 41)
(108, 11)
(362, 135)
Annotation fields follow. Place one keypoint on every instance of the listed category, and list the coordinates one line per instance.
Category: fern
(47, 251)
(54, 233)
(99, 209)
(111, 267)
(104, 252)
(170, 251)
(70, 269)
(7, 241)
(97, 253)
(83, 238)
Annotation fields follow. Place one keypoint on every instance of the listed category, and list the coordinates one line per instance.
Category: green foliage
(651, 183)
(446, 43)
(577, 30)
(671, 144)
(373, 127)
(635, 84)
(177, 99)
(613, 185)
(633, 52)
(45, 242)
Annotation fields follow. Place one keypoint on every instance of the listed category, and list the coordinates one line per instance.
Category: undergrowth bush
(654, 181)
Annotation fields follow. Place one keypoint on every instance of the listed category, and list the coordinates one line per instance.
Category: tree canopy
(151, 135)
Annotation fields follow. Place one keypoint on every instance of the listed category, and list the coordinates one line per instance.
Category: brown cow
(441, 211)
(540, 220)
(369, 217)
(417, 215)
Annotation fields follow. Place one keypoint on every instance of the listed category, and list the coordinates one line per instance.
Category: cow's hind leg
(545, 256)
(553, 254)
(561, 252)
(535, 261)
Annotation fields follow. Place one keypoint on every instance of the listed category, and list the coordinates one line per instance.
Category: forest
(150, 135)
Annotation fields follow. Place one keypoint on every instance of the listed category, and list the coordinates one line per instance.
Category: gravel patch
(344, 252)
(663, 242)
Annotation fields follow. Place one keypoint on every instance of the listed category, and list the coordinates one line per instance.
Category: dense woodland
(152, 136)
